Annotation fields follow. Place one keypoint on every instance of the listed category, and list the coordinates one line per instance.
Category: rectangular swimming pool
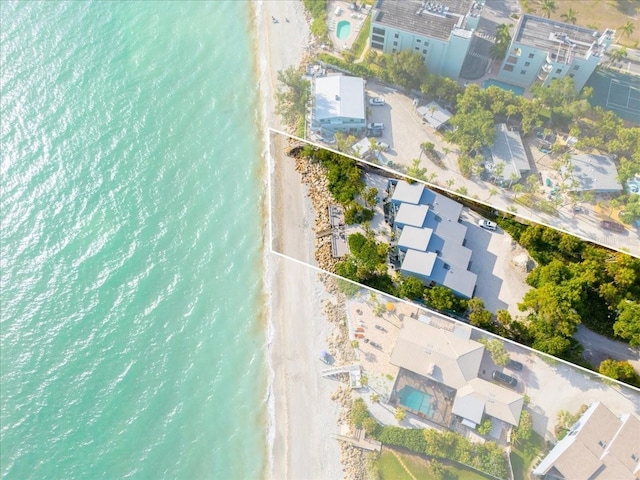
(504, 86)
(416, 400)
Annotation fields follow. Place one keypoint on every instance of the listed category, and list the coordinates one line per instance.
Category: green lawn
(358, 46)
(523, 454)
(390, 469)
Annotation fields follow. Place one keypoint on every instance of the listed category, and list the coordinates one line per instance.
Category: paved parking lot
(553, 385)
(501, 284)
(404, 132)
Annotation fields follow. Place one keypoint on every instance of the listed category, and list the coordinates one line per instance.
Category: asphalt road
(598, 348)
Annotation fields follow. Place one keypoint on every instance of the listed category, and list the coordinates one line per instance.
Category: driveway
(501, 284)
(598, 348)
(553, 385)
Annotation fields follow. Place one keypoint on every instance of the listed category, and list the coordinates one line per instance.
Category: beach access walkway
(355, 377)
(359, 440)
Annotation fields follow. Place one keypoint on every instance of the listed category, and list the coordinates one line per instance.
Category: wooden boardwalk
(360, 441)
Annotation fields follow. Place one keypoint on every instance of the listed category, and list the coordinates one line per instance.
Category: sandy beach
(302, 414)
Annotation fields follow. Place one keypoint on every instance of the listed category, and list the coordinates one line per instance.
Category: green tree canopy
(411, 288)
(627, 325)
(495, 347)
(406, 68)
(292, 95)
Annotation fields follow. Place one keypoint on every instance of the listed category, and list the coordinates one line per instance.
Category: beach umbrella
(390, 307)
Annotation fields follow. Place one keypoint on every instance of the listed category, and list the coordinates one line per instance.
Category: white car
(375, 126)
(376, 102)
(487, 225)
(383, 146)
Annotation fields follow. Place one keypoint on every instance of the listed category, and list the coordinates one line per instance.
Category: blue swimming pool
(504, 86)
(343, 29)
(416, 400)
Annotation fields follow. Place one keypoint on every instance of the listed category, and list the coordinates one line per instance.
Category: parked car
(487, 225)
(613, 226)
(376, 102)
(383, 146)
(514, 365)
(374, 132)
(504, 378)
(375, 126)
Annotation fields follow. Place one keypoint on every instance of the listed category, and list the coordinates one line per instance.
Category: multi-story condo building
(544, 49)
(440, 31)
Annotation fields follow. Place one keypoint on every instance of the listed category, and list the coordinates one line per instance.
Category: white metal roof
(339, 96)
(413, 215)
(415, 238)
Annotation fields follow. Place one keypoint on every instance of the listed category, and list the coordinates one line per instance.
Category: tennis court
(617, 92)
(623, 96)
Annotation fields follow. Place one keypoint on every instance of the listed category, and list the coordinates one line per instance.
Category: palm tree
(570, 17)
(617, 54)
(628, 28)
(548, 6)
(502, 32)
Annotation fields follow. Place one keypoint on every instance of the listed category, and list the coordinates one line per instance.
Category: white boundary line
(596, 375)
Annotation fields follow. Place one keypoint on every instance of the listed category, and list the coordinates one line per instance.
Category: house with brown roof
(600, 446)
(451, 358)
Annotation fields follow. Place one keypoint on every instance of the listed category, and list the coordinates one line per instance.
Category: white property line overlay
(605, 380)
(612, 246)
(424, 309)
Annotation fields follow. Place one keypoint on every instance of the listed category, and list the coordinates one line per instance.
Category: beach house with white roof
(430, 237)
(338, 105)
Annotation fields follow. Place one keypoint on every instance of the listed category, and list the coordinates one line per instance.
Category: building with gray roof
(414, 238)
(599, 446)
(507, 150)
(440, 31)
(544, 49)
(338, 105)
(479, 397)
(596, 173)
(436, 116)
(431, 238)
(405, 192)
(437, 354)
(452, 359)
(413, 215)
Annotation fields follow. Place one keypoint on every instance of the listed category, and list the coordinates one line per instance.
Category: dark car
(374, 132)
(513, 365)
(504, 378)
(613, 226)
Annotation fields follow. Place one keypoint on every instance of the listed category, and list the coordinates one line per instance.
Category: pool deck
(356, 19)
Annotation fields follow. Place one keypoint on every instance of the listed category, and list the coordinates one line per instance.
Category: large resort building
(545, 50)
(430, 238)
(439, 31)
(442, 32)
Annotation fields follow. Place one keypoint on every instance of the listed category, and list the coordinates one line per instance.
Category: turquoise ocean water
(131, 264)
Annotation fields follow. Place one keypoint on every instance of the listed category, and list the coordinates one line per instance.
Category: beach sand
(303, 414)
